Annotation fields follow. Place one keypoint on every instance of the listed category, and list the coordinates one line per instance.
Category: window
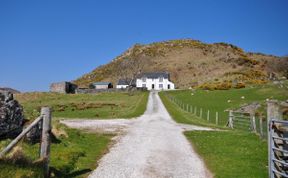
(161, 86)
(161, 79)
(143, 85)
(144, 79)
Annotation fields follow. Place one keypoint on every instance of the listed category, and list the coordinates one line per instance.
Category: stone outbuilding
(63, 87)
(101, 85)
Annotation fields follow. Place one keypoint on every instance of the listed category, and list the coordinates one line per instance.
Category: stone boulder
(34, 135)
(11, 116)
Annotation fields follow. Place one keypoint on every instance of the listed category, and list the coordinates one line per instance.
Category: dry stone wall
(11, 116)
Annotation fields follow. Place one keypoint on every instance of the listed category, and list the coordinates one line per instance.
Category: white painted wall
(156, 82)
(121, 86)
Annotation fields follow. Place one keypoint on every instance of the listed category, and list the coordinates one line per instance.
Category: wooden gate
(45, 118)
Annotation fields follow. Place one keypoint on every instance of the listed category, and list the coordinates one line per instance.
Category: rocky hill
(3, 89)
(193, 63)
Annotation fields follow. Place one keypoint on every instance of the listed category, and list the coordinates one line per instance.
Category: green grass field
(182, 116)
(218, 100)
(73, 153)
(227, 153)
(101, 105)
(231, 153)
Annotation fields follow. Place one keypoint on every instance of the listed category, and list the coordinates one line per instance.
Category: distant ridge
(193, 63)
(9, 89)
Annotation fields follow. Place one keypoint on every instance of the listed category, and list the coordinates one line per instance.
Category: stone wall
(11, 116)
(63, 87)
(91, 91)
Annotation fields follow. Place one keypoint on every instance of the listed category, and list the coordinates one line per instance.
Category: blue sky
(57, 40)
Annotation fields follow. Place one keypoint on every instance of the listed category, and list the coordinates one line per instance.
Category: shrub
(224, 86)
(240, 85)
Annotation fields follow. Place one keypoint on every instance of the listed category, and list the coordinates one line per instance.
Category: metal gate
(278, 148)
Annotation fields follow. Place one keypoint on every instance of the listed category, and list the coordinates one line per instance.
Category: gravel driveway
(152, 146)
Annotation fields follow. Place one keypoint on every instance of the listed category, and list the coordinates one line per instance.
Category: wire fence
(200, 112)
(235, 120)
(273, 128)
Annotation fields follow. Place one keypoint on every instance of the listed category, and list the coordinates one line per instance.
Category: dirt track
(153, 146)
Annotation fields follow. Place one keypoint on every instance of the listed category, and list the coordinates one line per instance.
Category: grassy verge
(227, 153)
(221, 100)
(231, 153)
(181, 116)
(73, 154)
(101, 105)
(139, 108)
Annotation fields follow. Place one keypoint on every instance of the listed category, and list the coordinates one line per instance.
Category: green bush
(225, 85)
(240, 85)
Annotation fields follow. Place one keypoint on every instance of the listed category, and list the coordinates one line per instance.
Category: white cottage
(124, 83)
(155, 81)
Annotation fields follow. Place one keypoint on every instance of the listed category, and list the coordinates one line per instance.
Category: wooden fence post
(253, 123)
(187, 107)
(191, 109)
(195, 111)
(272, 113)
(45, 141)
(216, 118)
(208, 115)
(273, 110)
(20, 136)
(200, 112)
(230, 124)
(261, 127)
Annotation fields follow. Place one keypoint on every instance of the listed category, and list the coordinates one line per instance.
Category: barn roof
(155, 75)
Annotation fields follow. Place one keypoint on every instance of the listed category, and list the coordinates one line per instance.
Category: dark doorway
(153, 86)
(168, 86)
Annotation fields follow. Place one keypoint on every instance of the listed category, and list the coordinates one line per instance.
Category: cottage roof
(155, 75)
(101, 83)
(125, 82)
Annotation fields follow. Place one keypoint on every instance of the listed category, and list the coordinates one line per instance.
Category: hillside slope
(192, 63)
(3, 89)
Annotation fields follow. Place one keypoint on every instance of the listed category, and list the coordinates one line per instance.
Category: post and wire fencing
(243, 121)
(273, 127)
(208, 115)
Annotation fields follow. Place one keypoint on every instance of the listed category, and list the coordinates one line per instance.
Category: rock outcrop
(11, 116)
(35, 134)
(249, 108)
